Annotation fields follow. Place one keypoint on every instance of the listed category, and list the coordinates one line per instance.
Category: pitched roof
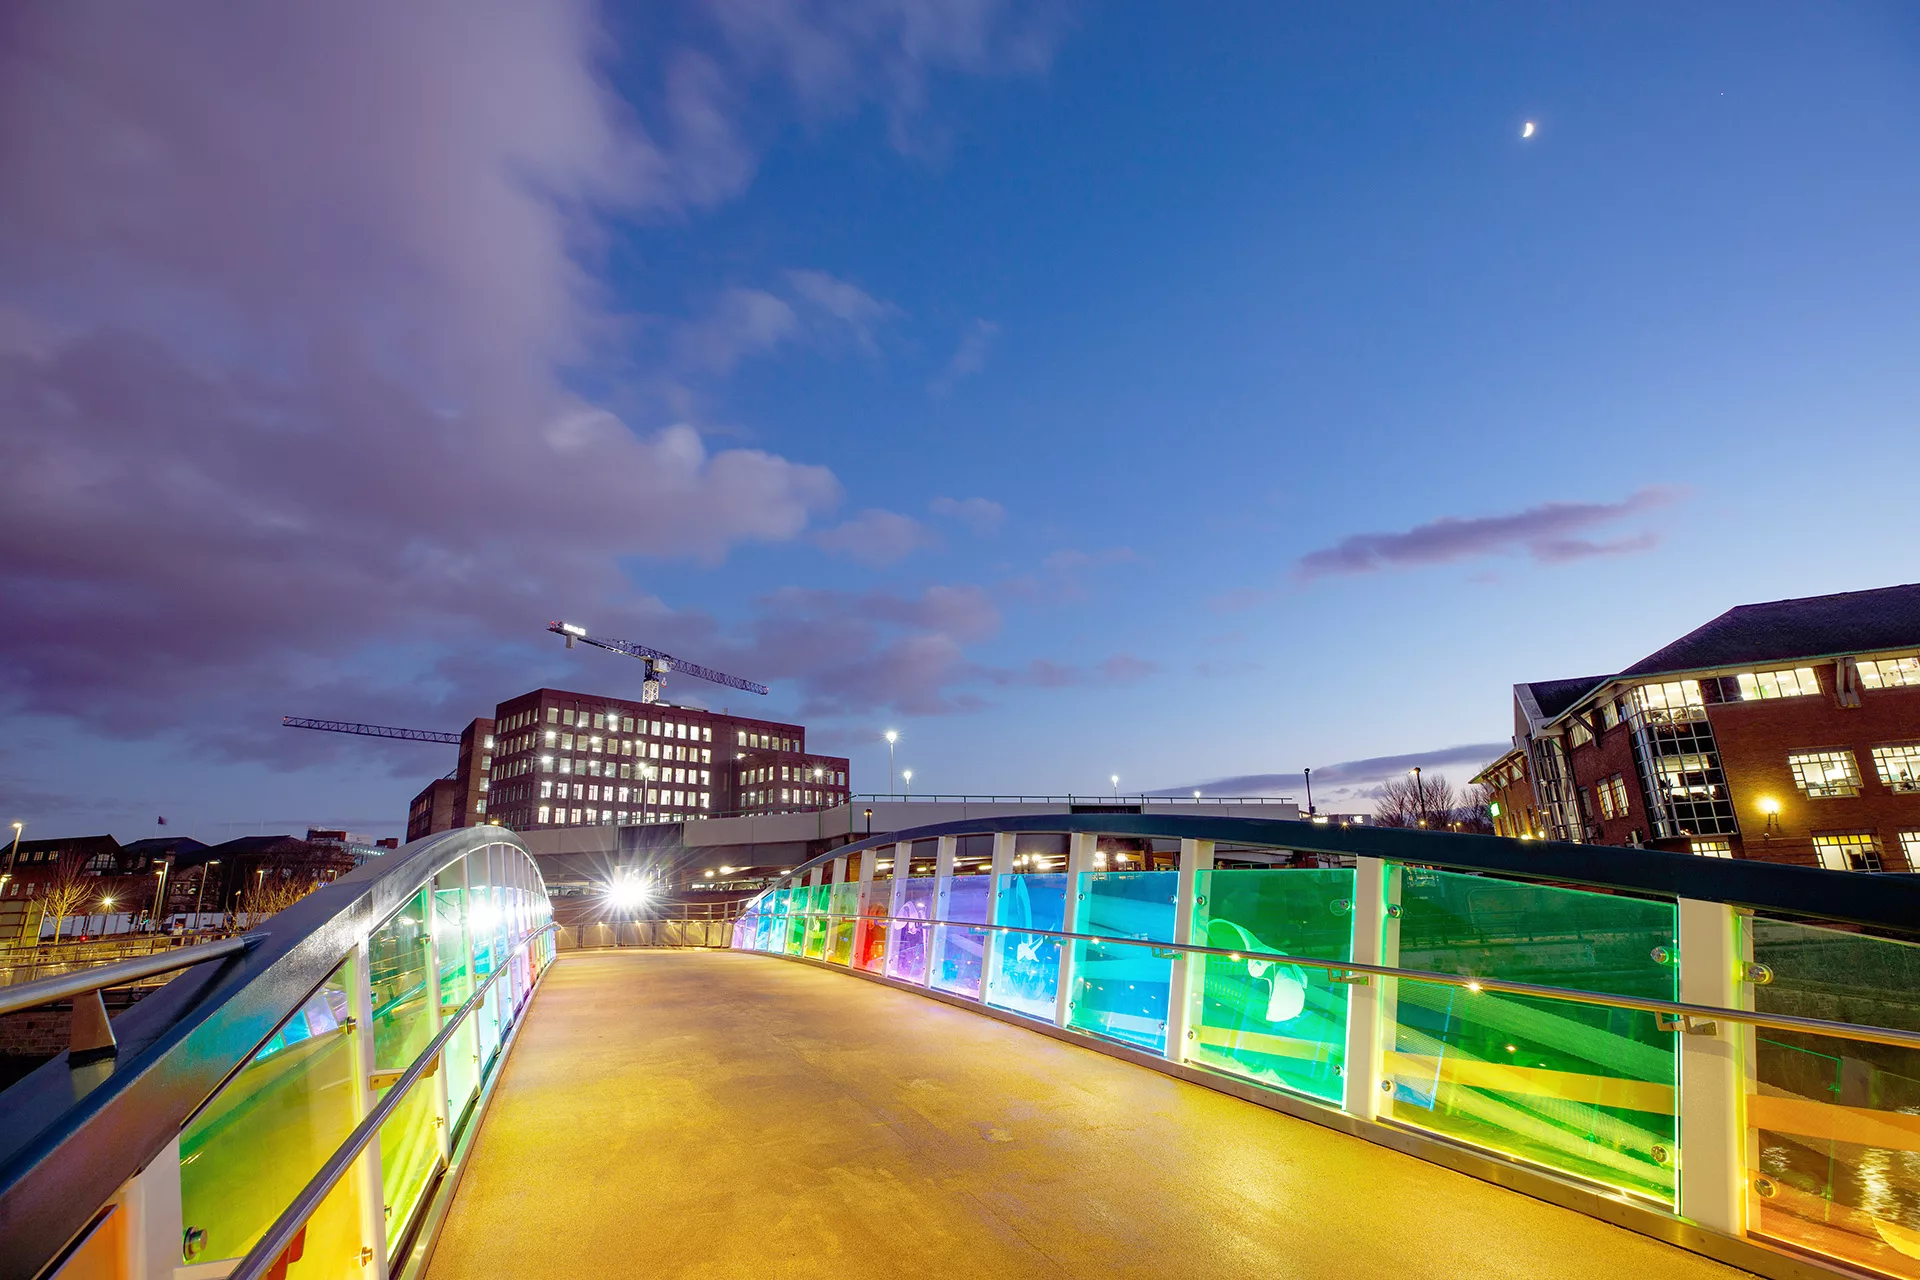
(155, 846)
(1555, 696)
(1781, 630)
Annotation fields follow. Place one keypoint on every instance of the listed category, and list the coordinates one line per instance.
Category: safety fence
(1684, 1045)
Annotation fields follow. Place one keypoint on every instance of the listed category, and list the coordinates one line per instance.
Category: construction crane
(370, 730)
(658, 664)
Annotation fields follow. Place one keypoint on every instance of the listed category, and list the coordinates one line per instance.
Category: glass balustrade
(1120, 990)
(959, 953)
(1025, 971)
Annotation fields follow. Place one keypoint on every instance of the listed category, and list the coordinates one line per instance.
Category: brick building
(552, 758)
(1786, 731)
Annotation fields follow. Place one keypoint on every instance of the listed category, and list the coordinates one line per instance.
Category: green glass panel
(845, 900)
(253, 1148)
(403, 1022)
(1120, 991)
(1282, 1024)
(799, 909)
(818, 900)
(456, 986)
(409, 1156)
(1835, 1123)
(1584, 1089)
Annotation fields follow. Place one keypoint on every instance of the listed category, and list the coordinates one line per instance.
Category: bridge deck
(712, 1114)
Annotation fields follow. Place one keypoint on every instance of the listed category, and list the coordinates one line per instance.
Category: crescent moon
(1527, 131)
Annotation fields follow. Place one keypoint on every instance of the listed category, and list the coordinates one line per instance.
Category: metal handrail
(260, 1259)
(31, 995)
(1777, 1021)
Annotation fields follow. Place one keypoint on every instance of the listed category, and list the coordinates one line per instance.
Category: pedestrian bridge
(1273, 1048)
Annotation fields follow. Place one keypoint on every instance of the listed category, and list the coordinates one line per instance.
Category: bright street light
(1116, 784)
(893, 736)
(908, 775)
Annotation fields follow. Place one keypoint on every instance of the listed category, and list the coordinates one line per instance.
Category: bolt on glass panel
(961, 951)
(1584, 1089)
(819, 898)
(910, 941)
(1121, 991)
(1026, 970)
(1834, 1124)
(252, 1149)
(1280, 1024)
(870, 940)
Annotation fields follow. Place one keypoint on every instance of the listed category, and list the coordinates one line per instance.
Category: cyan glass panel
(844, 900)
(764, 926)
(1281, 1024)
(1835, 1123)
(960, 951)
(817, 899)
(1026, 969)
(1120, 991)
(1584, 1089)
(910, 941)
(799, 904)
(456, 986)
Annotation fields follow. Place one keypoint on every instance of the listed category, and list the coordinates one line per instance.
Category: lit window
(606, 817)
(480, 806)
(1618, 785)
(553, 715)
(487, 744)
(566, 742)
(620, 816)
(1800, 682)
(1910, 848)
(706, 733)
(1604, 794)
(1848, 851)
(1672, 702)
(1889, 673)
(576, 817)
(546, 793)
(626, 771)
(743, 737)
(622, 797)
(566, 717)
(566, 765)
(594, 743)
(1898, 767)
(706, 755)
(543, 813)
(626, 746)
(1713, 848)
(653, 750)
(553, 737)
(1825, 773)
(593, 793)
(626, 724)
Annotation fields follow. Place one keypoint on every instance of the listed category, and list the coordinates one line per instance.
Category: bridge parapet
(298, 1106)
(1722, 1054)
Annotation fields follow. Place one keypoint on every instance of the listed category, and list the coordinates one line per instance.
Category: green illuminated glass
(799, 907)
(1120, 991)
(816, 947)
(1584, 1089)
(1835, 1123)
(1281, 1024)
(460, 1057)
(253, 1148)
(403, 1026)
(844, 900)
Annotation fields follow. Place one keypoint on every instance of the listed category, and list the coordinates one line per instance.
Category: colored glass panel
(460, 1057)
(909, 959)
(844, 903)
(1026, 966)
(1120, 991)
(1835, 1141)
(958, 951)
(1584, 1089)
(818, 899)
(252, 1149)
(799, 912)
(1281, 1024)
(870, 939)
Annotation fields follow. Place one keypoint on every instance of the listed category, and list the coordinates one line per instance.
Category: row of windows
(1828, 774)
(768, 741)
(1836, 850)
(1612, 795)
(619, 795)
(596, 745)
(793, 795)
(793, 773)
(1890, 673)
(550, 815)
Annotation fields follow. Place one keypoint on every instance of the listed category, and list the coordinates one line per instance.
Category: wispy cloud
(1348, 775)
(982, 515)
(877, 537)
(817, 310)
(969, 358)
(1546, 533)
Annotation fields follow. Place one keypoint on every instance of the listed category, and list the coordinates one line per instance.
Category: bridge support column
(151, 1201)
(1185, 985)
(944, 854)
(1713, 1068)
(1003, 846)
(1080, 847)
(1371, 998)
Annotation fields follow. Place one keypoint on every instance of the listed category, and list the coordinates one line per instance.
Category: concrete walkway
(714, 1114)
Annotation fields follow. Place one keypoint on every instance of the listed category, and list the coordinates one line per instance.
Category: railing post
(1080, 847)
(1713, 1069)
(373, 1213)
(1003, 847)
(154, 1217)
(443, 1123)
(944, 853)
(861, 928)
(1370, 999)
(896, 901)
(1185, 984)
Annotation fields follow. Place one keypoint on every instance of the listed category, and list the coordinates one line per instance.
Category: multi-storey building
(552, 758)
(1787, 731)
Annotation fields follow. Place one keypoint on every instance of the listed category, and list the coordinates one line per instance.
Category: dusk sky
(1191, 393)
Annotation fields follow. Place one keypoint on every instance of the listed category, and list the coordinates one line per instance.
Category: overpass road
(720, 1114)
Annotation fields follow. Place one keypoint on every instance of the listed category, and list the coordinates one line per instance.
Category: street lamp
(892, 737)
(908, 775)
(13, 853)
(1116, 786)
(1309, 774)
(1419, 796)
(200, 897)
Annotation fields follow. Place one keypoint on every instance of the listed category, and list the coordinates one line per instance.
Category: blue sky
(1182, 392)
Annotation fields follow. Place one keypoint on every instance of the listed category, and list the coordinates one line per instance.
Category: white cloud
(969, 358)
(877, 537)
(982, 515)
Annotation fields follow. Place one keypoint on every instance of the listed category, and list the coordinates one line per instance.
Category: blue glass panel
(1026, 969)
(1121, 991)
(958, 951)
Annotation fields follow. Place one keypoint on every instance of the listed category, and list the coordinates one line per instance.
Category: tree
(1427, 799)
(66, 886)
(1474, 812)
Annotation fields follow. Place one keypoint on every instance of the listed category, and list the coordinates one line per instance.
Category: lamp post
(1309, 774)
(1115, 779)
(1419, 796)
(908, 775)
(13, 853)
(892, 737)
(159, 889)
(200, 897)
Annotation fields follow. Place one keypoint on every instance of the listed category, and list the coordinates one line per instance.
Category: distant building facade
(1786, 731)
(554, 758)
